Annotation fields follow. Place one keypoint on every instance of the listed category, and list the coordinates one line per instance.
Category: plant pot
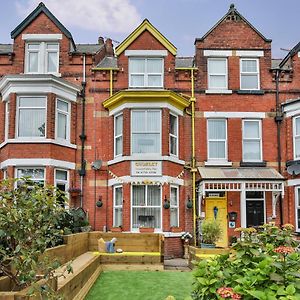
(204, 245)
(176, 229)
(116, 229)
(146, 229)
(86, 228)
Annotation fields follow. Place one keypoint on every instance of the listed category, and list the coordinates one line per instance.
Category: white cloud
(118, 16)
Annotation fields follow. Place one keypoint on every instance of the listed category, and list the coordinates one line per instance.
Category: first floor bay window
(31, 117)
(146, 206)
(146, 131)
(63, 120)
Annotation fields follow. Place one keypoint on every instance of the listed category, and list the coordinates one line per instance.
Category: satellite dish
(97, 164)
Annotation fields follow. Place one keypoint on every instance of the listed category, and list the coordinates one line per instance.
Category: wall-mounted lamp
(189, 203)
(99, 203)
(166, 203)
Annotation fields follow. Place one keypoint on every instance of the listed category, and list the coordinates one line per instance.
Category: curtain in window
(174, 222)
(217, 139)
(52, 58)
(217, 71)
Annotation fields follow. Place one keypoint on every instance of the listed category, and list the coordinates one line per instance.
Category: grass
(141, 285)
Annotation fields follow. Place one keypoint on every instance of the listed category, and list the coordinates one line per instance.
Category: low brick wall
(173, 247)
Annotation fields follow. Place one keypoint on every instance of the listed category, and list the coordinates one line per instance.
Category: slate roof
(6, 48)
(184, 62)
(277, 62)
(233, 11)
(291, 53)
(88, 48)
(108, 62)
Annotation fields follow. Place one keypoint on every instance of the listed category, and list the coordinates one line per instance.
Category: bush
(263, 265)
(211, 231)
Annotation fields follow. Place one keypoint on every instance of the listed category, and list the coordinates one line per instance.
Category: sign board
(231, 224)
(146, 168)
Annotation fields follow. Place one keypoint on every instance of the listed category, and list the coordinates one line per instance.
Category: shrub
(263, 265)
(211, 231)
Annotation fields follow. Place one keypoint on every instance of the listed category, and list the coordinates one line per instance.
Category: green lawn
(141, 285)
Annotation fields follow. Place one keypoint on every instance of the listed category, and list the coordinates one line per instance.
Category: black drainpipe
(278, 120)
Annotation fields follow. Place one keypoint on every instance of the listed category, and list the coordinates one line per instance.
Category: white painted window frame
(250, 73)
(176, 137)
(7, 111)
(140, 206)
(30, 167)
(117, 206)
(297, 207)
(253, 139)
(68, 115)
(209, 74)
(256, 199)
(65, 182)
(146, 74)
(131, 133)
(118, 136)
(175, 206)
(217, 140)
(42, 56)
(18, 115)
(295, 137)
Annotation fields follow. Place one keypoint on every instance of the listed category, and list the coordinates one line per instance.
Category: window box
(146, 229)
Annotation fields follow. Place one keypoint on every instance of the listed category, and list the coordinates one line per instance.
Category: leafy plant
(263, 265)
(211, 231)
(29, 223)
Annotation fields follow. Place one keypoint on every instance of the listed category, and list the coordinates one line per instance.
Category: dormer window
(146, 72)
(42, 58)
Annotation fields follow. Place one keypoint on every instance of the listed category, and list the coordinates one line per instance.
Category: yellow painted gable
(146, 25)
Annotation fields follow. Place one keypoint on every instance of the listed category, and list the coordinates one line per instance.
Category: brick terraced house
(151, 140)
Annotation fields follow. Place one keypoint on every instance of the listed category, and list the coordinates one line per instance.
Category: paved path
(176, 264)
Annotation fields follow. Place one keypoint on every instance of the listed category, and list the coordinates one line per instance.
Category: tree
(29, 223)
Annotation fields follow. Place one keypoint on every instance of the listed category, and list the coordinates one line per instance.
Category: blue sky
(181, 21)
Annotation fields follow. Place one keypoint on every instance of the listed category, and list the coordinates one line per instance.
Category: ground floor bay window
(146, 206)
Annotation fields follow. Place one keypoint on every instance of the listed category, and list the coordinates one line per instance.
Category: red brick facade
(230, 41)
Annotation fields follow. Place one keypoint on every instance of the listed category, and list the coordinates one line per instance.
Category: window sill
(54, 74)
(38, 141)
(218, 91)
(251, 92)
(222, 163)
(253, 164)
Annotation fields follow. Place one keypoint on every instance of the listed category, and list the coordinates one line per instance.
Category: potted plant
(74, 192)
(85, 226)
(211, 233)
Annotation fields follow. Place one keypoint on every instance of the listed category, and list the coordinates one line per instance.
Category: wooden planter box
(146, 229)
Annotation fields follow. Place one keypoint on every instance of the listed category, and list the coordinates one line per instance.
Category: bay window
(118, 206)
(118, 135)
(174, 206)
(61, 182)
(296, 137)
(173, 135)
(146, 131)
(145, 72)
(217, 139)
(252, 145)
(42, 57)
(249, 68)
(217, 73)
(146, 206)
(31, 120)
(62, 120)
(36, 175)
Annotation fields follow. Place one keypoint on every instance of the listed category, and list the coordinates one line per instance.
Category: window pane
(33, 62)
(174, 217)
(137, 80)
(153, 121)
(52, 46)
(217, 129)
(297, 147)
(61, 175)
(217, 81)
(154, 80)
(33, 46)
(118, 217)
(33, 173)
(118, 196)
(251, 150)
(154, 65)
(52, 62)
(62, 105)
(173, 145)
(217, 66)
(62, 126)
(32, 102)
(173, 198)
(137, 65)
(145, 143)
(251, 129)
(31, 122)
(217, 150)
(249, 82)
(297, 123)
(138, 121)
(249, 66)
(173, 125)
(298, 201)
(254, 195)
(119, 125)
(119, 145)
(153, 195)
(146, 217)
(138, 195)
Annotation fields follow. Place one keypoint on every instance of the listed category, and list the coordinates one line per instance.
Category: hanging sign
(146, 168)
